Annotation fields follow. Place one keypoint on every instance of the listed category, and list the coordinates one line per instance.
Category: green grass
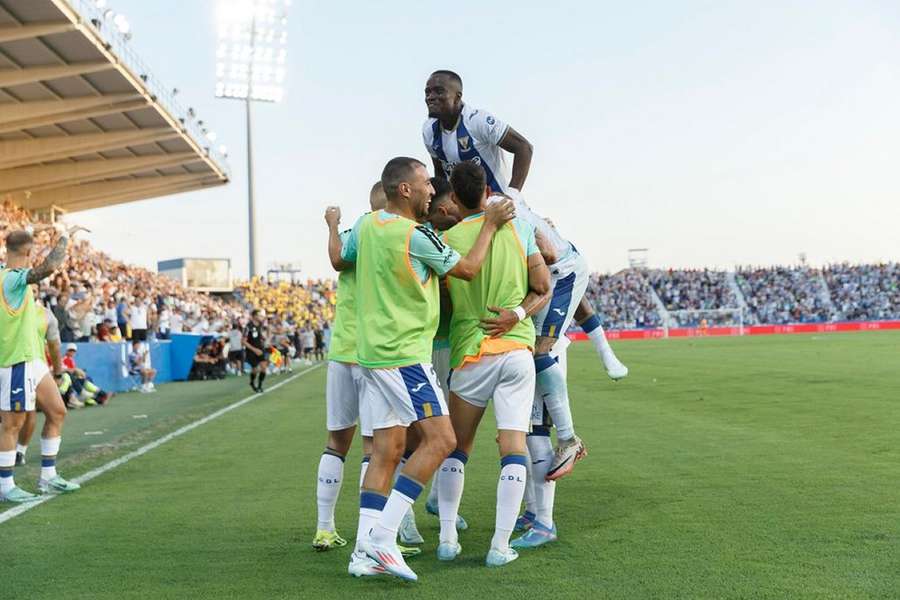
(721, 468)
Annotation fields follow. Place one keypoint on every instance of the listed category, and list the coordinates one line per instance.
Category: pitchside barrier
(644, 334)
(107, 362)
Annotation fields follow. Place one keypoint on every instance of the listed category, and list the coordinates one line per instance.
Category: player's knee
(444, 443)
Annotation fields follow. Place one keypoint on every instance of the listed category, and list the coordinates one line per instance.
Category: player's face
(442, 96)
(446, 216)
(420, 193)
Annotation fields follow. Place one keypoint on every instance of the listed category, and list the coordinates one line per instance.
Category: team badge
(464, 142)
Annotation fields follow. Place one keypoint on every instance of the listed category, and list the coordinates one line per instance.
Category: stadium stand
(623, 300)
(865, 292)
(785, 295)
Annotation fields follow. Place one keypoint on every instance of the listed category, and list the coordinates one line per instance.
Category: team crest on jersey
(490, 120)
(464, 142)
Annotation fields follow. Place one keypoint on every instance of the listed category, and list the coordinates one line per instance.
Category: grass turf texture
(721, 468)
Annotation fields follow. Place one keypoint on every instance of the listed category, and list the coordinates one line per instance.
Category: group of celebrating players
(452, 292)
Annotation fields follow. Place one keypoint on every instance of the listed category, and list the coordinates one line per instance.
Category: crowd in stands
(623, 300)
(785, 295)
(865, 292)
(692, 289)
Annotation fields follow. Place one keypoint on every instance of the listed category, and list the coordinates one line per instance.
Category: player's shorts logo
(561, 313)
(418, 387)
(17, 391)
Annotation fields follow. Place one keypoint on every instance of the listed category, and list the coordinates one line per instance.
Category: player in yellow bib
(397, 264)
(344, 387)
(491, 342)
(23, 369)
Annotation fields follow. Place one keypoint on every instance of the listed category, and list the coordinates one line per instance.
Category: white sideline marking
(23, 508)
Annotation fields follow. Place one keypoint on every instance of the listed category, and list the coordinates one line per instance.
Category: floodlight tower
(251, 55)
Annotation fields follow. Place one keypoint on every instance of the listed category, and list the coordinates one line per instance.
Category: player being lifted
(397, 264)
(491, 358)
(24, 375)
(456, 133)
(343, 395)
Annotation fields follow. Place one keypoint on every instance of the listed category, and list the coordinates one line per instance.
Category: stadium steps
(660, 307)
(731, 278)
(825, 295)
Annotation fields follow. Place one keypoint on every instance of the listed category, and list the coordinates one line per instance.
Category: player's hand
(501, 324)
(333, 216)
(498, 213)
(258, 352)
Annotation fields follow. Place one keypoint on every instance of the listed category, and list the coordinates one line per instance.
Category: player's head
(256, 316)
(443, 94)
(19, 244)
(377, 199)
(469, 184)
(442, 212)
(405, 181)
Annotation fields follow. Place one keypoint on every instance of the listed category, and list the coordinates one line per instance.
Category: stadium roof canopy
(83, 124)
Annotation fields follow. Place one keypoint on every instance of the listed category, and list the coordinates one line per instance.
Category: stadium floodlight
(251, 57)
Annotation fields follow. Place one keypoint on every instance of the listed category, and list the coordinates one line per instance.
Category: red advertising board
(645, 334)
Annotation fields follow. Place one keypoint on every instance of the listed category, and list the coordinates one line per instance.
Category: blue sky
(713, 133)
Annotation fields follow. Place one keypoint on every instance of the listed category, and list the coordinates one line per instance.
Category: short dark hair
(396, 171)
(452, 75)
(468, 181)
(16, 240)
(441, 194)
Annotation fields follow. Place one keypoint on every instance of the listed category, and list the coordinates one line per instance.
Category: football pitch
(762, 467)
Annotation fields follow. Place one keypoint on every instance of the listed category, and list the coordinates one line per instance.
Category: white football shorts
(403, 395)
(440, 359)
(506, 378)
(345, 390)
(569, 279)
(18, 385)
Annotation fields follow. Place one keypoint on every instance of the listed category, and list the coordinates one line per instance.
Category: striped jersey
(475, 138)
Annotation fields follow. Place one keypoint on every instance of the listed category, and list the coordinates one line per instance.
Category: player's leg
(261, 375)
(342, 413)
(405, 395)
(408, 534)
(465, 415)
(253, 359)
(513, 397)
(542, 529)
(54, 409)
(16, 400)
(25, 435)
(590, 323)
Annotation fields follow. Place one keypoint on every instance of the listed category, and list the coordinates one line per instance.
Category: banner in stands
(644, 334)
(106, 363)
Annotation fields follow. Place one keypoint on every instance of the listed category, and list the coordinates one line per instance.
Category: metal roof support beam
(157, 193)
(16, 153)
(26, 115)
(48, 176)
(11, 77)
(105, 190)
(10, 33)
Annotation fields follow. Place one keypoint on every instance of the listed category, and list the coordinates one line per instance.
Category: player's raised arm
(495, 216)
(522, 151)
(335, 245)
(56, 257)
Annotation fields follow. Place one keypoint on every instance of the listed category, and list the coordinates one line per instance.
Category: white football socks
(540, 448)
(551, 385)
(7, 466)
(362, 470)
(529, 497)
(451, 479)
(402, 497)
(49, 450)
(370, 506)
(510, 490)
(330, 477)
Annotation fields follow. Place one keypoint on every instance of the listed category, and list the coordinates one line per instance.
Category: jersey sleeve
(351, 241)
(486, 127)
(426, 246)
(528, 236)
(15, 286)
(52, 327)
(428, 137)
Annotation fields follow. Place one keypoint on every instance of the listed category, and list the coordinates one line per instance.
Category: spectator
(236, 348)
(137, 367)
(85, 389)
